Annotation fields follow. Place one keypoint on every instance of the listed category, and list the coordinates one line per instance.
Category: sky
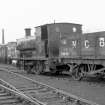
(16, 15)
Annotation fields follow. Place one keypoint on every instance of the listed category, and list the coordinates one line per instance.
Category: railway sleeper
(13, 97)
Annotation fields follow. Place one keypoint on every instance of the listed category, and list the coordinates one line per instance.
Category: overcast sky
(15, 15)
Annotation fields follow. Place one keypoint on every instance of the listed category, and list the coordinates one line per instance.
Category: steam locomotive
(59, 47)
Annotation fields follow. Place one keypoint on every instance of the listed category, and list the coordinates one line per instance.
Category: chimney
(27, 32)
(3, 41)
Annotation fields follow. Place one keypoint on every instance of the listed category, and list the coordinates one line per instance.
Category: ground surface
(90, 88)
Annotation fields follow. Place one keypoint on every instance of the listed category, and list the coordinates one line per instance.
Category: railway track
(9, 96)
(39, 92)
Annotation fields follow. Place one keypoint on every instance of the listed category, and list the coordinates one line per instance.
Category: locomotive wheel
(58, 72)
(77, 73)
(28, 70)
(39, 68)
(53, 71)
(43, 67)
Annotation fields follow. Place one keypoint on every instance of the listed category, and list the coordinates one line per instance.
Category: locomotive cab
(57, 46)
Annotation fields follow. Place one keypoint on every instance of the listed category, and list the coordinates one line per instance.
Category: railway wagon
(3, 54)
(49, 48)
(91, 60)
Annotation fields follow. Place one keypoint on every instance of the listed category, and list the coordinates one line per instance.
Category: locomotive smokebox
(27, 32)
